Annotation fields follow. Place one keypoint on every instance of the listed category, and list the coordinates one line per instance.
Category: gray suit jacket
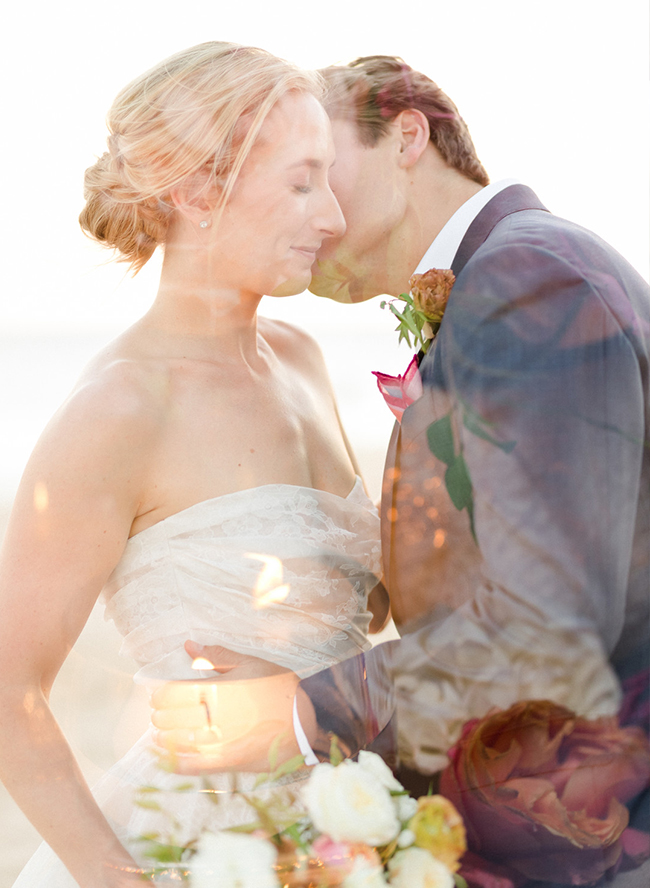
(516, 501)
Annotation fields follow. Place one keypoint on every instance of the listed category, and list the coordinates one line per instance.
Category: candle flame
(202, 663)
(269, 587)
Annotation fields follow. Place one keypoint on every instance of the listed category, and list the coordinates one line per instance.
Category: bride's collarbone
(180, 499)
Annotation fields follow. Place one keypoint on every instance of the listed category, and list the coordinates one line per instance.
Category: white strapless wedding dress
(200, 574)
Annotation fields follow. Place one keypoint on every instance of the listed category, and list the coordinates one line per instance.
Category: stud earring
(203, 223)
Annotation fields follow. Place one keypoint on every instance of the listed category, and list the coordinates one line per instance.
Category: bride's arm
(69, 525)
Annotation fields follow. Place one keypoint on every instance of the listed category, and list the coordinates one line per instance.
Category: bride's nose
(331, 220)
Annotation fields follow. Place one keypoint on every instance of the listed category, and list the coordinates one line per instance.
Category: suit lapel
(512, 199)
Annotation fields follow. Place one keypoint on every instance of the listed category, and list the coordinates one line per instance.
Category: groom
(516, 498)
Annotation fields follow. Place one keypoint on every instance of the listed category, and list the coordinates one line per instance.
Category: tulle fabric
(194, 575)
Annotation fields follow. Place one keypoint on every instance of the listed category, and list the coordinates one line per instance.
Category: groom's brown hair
(373, 90)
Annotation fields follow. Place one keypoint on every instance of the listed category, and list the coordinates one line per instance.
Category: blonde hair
(192, 118)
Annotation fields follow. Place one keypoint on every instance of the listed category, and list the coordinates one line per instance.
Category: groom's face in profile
(364, 180)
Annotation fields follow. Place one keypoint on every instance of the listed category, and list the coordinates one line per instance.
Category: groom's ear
(413, 133)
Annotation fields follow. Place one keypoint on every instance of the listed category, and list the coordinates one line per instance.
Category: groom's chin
(292, 287)
(334, 290)
(333, 280)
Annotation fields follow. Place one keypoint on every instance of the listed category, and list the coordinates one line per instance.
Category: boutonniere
(424, 306)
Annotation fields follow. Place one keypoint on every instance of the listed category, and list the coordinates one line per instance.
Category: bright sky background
(554, 91)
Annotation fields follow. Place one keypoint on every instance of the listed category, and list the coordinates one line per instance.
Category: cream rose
(417, 868)
(365, 875)
(349, 804)
(228, 860)
(375, 765)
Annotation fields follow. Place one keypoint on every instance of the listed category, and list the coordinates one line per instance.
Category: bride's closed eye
(303, 189)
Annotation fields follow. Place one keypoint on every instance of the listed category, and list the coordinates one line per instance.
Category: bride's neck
(194, 301)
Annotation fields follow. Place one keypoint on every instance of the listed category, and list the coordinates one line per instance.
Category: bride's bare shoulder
(119, 396)
(292, 343)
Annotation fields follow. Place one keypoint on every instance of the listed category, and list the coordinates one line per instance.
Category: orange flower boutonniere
(424, 306)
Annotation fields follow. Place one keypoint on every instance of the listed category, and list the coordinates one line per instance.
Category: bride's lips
(307, 252)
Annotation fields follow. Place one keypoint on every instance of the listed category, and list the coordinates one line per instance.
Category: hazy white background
(555, 93)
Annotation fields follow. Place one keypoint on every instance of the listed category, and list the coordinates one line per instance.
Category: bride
(197, 477)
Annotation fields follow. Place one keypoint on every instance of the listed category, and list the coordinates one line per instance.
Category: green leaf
(336, 756)
(273, 751)
(409, 319)
(458, 483)
(479, 427)
(441, 440)
(263, 812)
(459, 881)
(288, 767)
(246, 827)
(294, 833)
(261, 779)
(146, 837)
(164, 853)
(398, 314)
(472, 527)
(404, 335)
(145, 803)
(184, 787)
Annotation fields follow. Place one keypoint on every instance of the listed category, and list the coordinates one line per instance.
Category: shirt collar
(444, 247)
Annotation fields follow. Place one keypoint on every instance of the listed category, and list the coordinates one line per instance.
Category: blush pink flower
(341, 856)
(543, 791)
(400, 391)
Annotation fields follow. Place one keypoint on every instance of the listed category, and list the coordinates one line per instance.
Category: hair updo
(195, 116)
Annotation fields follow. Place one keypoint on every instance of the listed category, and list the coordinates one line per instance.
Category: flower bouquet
(354, 827)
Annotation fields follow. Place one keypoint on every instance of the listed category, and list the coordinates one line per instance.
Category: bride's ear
(195, 198)
(413, 134)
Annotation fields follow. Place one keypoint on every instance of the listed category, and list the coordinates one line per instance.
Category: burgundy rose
(543, 791)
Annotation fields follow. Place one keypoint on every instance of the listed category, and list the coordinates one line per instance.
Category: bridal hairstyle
(373, 90)
(191, 120)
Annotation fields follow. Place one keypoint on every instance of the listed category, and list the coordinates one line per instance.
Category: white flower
(405, 838)
(365, 875)
(376, 766)
(417, 868)
(229, 860)
(405, 806)
(349, 804)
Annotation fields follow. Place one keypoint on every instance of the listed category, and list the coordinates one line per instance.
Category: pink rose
(342, 855)
(543, 791)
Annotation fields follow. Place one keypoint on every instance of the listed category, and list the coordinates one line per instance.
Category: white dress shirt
(445, 246)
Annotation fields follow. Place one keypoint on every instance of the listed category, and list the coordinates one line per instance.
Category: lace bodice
(281, 572)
